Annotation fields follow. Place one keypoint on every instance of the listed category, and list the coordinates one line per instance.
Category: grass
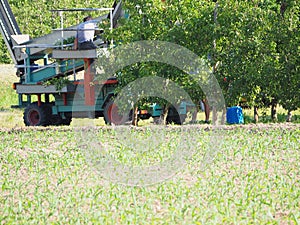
(7, 77)
(9, 117)
(265, 115)
(240, 174)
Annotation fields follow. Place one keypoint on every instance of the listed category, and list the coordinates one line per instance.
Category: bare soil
(248, 127)
(8, 73)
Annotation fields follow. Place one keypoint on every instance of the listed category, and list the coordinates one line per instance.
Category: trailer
(42, 60)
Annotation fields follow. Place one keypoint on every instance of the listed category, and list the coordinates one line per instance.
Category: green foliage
(4, 55)
(258, 47)
(255, 44)
(69, 40)
(58, 82)
(156, 20)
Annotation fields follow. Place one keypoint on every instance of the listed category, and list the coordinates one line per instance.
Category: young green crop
(254, 178)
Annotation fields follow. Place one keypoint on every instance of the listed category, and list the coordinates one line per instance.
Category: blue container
(235, 115)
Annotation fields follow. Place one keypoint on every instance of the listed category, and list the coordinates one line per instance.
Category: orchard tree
(249, 36)
(169, 21)
(240, 50)
(288, 42)
(281, 69)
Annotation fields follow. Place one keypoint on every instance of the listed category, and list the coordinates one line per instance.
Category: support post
(65, 99)
(28, 99)
(39, 99)
(47, 98)
(28, 67)
(89, 88)
(20, 98)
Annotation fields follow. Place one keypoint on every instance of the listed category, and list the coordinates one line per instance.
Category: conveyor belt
(8, 26)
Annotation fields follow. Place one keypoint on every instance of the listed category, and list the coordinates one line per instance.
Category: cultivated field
(246, 174)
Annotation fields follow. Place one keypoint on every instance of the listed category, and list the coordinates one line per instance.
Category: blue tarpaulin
(235, 115)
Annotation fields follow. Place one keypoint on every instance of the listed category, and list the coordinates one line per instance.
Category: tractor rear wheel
(35, 115)
(112, 114)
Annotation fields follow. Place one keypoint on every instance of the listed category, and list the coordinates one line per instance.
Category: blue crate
(235, 115)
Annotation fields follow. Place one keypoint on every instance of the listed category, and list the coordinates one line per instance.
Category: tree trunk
(289, 116)
(135, 116)
(164, 115)
(194, 114)
(223, 120)
(274, 110)
(214, 115)
(255, 114)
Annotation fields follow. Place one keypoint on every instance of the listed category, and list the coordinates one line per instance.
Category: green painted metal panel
(156, 110)
(69, 65)
(52, 70)
(76, 108)
(43, 74)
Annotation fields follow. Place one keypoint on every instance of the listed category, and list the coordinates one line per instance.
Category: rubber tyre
(35, 115)
(53, 120)
(174, 117)
(111, 115)
(56, 120)
(66, 121)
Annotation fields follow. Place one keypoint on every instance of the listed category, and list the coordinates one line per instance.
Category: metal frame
(68, 62)
(61, 11)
